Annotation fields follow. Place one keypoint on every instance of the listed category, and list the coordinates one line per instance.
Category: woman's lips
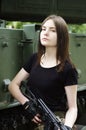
(44, 39)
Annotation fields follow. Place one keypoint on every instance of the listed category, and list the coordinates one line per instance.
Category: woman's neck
(50, 52)
(48, 59)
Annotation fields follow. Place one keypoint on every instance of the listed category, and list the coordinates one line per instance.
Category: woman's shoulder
(70, 69)
(70, 74)
(32, 58)
(69, 66)
(34, 55)
(30, 62)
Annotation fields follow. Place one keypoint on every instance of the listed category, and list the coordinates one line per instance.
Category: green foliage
(74, 28)
(16, 25)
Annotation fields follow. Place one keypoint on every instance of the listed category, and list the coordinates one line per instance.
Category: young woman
(50, 71)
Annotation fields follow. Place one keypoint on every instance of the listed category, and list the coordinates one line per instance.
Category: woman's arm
(71, 114)
(14, 86)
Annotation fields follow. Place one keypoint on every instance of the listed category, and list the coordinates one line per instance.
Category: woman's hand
(32, 110)
(37, 119)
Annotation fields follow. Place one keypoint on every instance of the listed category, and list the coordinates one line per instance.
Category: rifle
(54, 123)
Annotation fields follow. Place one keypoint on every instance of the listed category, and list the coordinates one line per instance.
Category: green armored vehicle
(17, 44)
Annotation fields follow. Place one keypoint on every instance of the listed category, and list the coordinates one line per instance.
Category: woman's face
(48, 35)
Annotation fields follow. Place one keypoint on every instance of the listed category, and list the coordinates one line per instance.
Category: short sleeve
(71, 77)
(31, 61)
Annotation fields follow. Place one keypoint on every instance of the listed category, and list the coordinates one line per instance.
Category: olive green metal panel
(16, 46)
(10, 59)
(30, 10)
(72, 10)
(37, 10)
(78, 54)
(31, 32)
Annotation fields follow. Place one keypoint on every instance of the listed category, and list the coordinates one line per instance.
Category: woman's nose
(46, 32)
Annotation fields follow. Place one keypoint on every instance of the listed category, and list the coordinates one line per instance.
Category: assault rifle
(54, 123)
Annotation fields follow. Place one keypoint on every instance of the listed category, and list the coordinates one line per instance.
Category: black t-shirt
(50, 83)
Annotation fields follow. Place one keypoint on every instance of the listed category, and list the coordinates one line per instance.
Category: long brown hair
(62, 53)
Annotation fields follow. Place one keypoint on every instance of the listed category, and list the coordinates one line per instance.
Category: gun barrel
(49, 113)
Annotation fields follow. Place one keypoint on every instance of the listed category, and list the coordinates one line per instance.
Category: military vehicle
(16, 45)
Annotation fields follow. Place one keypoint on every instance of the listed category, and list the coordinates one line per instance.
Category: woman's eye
(43, 29)
(53, 30)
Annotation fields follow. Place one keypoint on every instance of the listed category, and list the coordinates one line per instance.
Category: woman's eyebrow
(51, 27)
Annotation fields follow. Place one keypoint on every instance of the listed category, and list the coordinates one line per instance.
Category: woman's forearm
(71, 117)
(16, 93)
